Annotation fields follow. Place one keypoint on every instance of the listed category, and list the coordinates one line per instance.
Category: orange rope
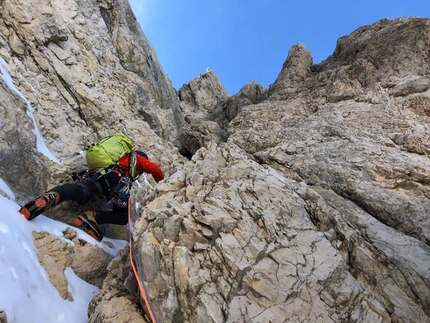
(143, 292)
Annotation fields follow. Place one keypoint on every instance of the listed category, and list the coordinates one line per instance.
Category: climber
(113, 182)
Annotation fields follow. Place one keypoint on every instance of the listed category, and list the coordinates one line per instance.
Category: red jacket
(144, 165)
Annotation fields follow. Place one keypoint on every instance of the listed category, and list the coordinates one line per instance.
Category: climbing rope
(137, 269)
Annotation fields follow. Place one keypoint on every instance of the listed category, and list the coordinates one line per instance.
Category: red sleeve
(147, 166)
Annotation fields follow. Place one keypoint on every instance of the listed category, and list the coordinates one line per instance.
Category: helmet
(141, 153)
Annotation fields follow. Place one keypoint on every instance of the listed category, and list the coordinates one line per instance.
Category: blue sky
(245, 40)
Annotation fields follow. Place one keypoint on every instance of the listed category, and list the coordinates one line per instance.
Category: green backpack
(108, 151)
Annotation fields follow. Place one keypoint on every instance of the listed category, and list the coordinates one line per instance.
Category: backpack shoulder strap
(132, 165)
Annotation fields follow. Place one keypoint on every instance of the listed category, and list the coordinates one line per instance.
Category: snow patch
(41, 147)
(28, 294)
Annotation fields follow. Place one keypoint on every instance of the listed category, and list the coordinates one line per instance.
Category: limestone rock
(137, 56)
(118, 310)
(251, 93)
(80, 67)
(18, 144)
(202, 102)
(55, 255)
(90, 263)
(364, 193)
(117, 300)
(378, 52)
(195, 136)
(202, 95)
(294, 72)
(244, 244)
(316, 207)
(73, 75)
(395, 47)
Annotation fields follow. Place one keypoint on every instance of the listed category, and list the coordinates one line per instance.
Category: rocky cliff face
(307, 201)
(87, 70)
(202, 104)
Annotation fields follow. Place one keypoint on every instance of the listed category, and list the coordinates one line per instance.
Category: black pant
(88, 188)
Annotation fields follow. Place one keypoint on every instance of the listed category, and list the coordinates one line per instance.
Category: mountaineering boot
(88, 221)
(39, 205)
